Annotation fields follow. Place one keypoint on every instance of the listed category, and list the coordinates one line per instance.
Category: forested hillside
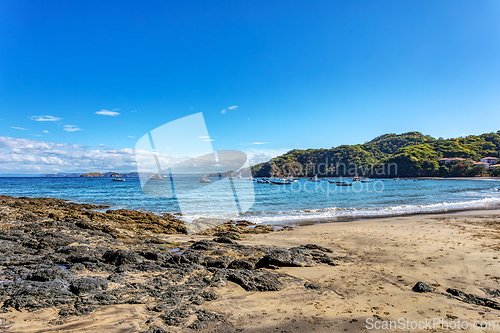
(409, 154)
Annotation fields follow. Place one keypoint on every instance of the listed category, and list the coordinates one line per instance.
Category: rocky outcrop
(92, 175)
(473, 299)
(76, 265)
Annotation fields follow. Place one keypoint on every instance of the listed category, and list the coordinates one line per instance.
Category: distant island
(411, 154)
(93, 175)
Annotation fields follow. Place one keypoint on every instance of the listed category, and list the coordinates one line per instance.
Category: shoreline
(342, 219)
(293, 222)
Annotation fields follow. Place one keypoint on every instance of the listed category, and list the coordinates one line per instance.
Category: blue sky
(297, 74)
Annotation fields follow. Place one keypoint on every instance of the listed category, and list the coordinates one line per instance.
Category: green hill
(409, 154)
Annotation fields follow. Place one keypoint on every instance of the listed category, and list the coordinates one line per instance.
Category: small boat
(336, 182)
(155, 176)
(314, 179)
(118, 179)
(279, 182)
(344, 184)
(262, 181)
(204, 179)
(355, 179)
(366, 180)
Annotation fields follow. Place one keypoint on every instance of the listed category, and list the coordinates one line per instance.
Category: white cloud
(108, 113)
(232, 107)
(256, 156)
(132, 137)
(260, 143)
(19, 128)
(205, 138)
(45, 118)
(133, 111)
(71, 128)
(32, 156)
(45, 131)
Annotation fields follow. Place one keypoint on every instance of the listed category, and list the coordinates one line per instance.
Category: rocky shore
(67, 267)
(77, 257)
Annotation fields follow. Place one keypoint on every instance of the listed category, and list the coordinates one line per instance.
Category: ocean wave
(334, 213)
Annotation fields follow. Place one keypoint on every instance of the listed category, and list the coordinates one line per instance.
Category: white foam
(353, 213)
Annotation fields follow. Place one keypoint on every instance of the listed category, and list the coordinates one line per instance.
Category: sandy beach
(459, 250)
(387, 257)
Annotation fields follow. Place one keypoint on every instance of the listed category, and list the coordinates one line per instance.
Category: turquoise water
(301, 201)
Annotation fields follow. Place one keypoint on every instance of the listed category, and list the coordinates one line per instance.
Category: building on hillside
(489, 160)
(450, 160)
(486, 165)
(494, 166)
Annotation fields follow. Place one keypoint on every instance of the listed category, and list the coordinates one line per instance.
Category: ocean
(299, 203)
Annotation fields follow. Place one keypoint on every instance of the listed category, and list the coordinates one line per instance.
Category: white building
(486, 165)
(450, 160)
(489, 160)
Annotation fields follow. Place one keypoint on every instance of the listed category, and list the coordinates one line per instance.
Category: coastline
(374, 265)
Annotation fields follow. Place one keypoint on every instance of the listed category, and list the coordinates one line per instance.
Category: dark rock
(422, 287)
(156, 256)
(316, 247)
(229, 234)
(77, 267)
(472, 299)
(175, 317)
(209, 295)
(218, 252)
(456, 292)
(197, 300)
(241, 264)
(191, 256)
(86, 285)
(203, 245)
(117, 277)
(225, 240)
(284, 258)
(219, 262)
(155, 330)
(48, 274)
(492, 292)
(34, 295)
(256, 280)
(121, 257)
(146, 267)
(314, 286)
(79, 258)
(219, 278)
(204, 318)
